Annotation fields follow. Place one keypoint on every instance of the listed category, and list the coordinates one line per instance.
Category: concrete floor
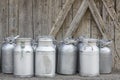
(113, 76)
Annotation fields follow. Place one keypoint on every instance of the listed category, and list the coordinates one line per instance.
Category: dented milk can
(7, 54)
(23, 58)
(88, 58)
(67, 57)
(45, 57)
(105, 56)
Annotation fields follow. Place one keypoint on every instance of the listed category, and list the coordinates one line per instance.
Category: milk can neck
(24, 42)
(45, 43)
(92, 43)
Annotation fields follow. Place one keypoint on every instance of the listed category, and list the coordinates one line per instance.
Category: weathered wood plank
(109, 7)
(76, 6)
(37, 9)
(25, 18)
(49, 16)
(4, 18)
(84, 27)
(67, 21)
(13, 17)
(97, 17)
(58, 7)
(45, 17)
(74, 24)
(94, 30)
(59, 21)
(109, 29)
(117, 39)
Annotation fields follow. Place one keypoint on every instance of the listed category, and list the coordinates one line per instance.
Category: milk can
(105, 56)
(1, 55)
(88, 58)
(7, 54)
(23, 58)
(67, 57)
(45, 57)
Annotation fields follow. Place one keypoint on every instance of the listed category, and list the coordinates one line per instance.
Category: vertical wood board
(13, 17)
(25, 18)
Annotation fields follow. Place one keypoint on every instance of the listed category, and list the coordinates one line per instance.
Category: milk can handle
(104, 43)
(108, 43)
(10, 39)
(16, 37)
(34, 44)
(55, 43)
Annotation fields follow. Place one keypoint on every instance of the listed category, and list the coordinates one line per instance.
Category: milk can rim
(46, 38)
(89, 40)
(23, 39)
(67, 42)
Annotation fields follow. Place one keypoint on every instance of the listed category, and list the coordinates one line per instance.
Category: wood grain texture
(84, 26)
(67, 21)
(13, 17)
(109, 7)
(74, 24)
(97, 17)
(117, 39)
(58, 7)
(94, 31)
(45, 17)
(37, 17)
(61, 17)
(4, 18)
(1, 22)
(25, 18)
(109, 29)
(60, 33)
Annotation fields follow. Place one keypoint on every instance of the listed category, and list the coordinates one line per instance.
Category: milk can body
(88, 58)
(7, 57)
(23, 58)
(105, 57)
(45, 57)
(67, 58)
(1, 57)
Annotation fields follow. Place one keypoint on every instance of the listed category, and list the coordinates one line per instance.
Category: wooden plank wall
(32, 18)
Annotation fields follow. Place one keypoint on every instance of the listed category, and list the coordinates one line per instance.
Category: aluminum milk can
(7, 54)
(88, 58)
(23, 58)
(67, 57)
(45, 57)
(1, 55)
(105, 56)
